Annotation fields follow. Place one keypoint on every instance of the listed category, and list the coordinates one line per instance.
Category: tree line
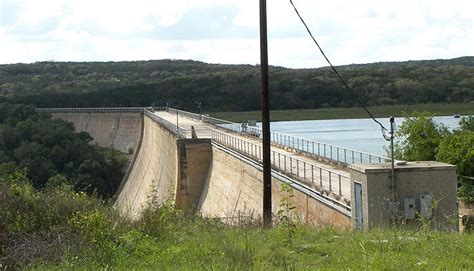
(184, 83)
(51, 153)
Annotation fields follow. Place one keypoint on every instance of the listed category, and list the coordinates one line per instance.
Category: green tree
(419, 137)
(422, 139)
(457, 148)
(53, 153)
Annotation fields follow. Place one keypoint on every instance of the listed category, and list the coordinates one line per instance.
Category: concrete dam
(214, 167)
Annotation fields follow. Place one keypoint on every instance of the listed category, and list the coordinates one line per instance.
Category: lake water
(358, 134)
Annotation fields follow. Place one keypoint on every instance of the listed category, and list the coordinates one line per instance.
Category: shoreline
(385, 111)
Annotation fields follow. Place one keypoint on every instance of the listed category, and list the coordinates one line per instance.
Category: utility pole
(267, 177)
(392, 179)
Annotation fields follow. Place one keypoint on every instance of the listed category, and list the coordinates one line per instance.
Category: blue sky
(227, 31)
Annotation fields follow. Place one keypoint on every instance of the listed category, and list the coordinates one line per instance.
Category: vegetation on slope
(233, 87)
(46, 223)
(51, 152)
(60, 229)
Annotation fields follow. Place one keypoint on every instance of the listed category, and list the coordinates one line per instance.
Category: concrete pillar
(425, 193)
(195, 156)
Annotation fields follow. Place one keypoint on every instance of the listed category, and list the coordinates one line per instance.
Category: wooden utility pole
(267, 177)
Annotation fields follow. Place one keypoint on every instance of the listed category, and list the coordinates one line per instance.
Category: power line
(344, 82)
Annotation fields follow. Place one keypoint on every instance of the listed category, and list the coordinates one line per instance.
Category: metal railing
(181, 132)
(306, 171)
(328, 151)
(92, 110)
(198, 117)
(312, 147)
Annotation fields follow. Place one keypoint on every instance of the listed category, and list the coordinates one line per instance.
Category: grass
(83, 233)
(208, 246)
(343, 113)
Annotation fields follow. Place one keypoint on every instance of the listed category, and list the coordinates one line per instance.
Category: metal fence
(312, 147)
(181, 132)
(309, 172)
(203, 118)
(93, 110)
(328, 151)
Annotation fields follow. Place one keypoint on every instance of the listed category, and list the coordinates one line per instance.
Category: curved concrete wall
(154, 173)
(120, 131)
(233, 191)
(190, 173)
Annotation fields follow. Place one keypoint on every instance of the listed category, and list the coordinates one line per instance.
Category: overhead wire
(344, 82)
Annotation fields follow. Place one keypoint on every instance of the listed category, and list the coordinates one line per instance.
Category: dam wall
(196, 175)
(220, 180)
(118, 130)
(155, 171)
(233, 192)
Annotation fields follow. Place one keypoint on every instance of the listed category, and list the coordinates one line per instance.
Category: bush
(422, 139)
(52, 152)
(34, 224)
(419, 137)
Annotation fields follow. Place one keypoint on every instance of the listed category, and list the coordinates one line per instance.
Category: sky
(227, 31)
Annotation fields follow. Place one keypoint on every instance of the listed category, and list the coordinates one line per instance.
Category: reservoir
(358, 134)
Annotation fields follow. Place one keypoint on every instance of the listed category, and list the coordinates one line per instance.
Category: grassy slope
(222, 248)
(342, 113)
(59, 229)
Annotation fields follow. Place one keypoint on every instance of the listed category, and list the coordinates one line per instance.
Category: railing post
(330, 184)
(321, 177)
(304, 170)
(345, 156)
(291, 165)
(340, 189)
(297, 167)
(330, 148)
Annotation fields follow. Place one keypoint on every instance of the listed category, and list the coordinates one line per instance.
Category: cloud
(205, 23)
(227, 31)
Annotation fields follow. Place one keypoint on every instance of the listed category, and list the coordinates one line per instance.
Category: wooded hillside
(183, 83)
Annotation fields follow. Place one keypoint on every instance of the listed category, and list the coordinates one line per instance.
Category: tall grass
(81, 232)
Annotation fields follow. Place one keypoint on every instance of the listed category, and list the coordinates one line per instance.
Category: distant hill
(183, 83)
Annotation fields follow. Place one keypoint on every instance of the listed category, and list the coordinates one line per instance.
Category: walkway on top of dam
(329, 178)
